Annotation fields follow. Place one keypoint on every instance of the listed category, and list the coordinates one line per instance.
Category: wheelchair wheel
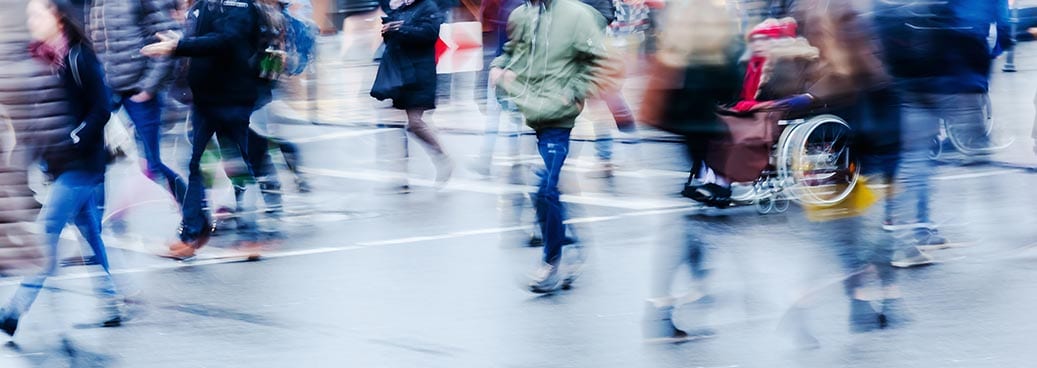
(994, 138)
(818, 161)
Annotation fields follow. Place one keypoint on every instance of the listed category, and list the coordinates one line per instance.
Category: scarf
(53, 56)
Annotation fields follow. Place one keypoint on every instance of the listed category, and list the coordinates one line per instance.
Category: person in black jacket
(224, 48)
(77, 164)
(410, 41)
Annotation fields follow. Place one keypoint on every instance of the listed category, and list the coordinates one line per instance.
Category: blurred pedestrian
(548, 68)
(851, 82)
(612, 95)
(225, 80)
(694, 71)
(494, 21)
(119, 29)
(939, 56)
(78, 168)
(410, 31)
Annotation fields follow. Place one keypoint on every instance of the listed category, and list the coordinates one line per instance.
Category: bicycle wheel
(819, 162)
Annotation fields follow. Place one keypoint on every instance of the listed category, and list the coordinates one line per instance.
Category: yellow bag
(861, 198)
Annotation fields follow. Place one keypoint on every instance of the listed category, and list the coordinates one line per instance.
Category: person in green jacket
(549, 65)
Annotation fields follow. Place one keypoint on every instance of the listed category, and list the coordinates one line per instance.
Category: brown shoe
(180, 251)
(251, 250)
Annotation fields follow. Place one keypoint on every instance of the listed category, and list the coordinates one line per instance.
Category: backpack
(300, 42)
(286, 42)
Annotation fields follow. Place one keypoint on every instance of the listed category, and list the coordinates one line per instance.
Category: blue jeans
(922, 114)
(553, 145)
(73, 198)
(230, 123)
(147, 125)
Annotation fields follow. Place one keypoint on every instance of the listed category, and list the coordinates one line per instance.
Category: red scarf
(55, 57)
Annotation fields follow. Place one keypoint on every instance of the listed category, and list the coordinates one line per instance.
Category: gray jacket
(118, 29)
(33, 116)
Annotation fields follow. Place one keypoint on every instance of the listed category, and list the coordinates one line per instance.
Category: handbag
(388, 81)
(744, 151)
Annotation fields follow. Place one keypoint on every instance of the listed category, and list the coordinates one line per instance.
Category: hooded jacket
(556, 49)
(224, 51)
(942, 47)
(119, 29)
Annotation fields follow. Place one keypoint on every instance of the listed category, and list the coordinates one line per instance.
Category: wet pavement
(368, 277)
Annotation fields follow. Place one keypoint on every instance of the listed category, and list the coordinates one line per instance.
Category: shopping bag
(860, 199)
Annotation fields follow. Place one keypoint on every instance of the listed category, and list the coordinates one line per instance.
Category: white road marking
(209, 256)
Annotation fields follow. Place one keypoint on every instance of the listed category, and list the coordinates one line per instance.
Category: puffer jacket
(33, 115)
(119, 29)
(555, 49)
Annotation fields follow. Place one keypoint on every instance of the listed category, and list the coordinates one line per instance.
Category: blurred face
(43, 21)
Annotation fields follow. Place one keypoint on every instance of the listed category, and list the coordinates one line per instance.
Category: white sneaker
(545, 280)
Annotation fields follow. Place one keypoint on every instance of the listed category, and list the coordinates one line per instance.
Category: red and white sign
(459, 48)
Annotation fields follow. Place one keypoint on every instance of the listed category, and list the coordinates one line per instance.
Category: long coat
(414, 47)
(33, 116)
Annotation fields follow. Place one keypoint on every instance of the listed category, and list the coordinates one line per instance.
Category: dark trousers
(230, 123)
(147, 127)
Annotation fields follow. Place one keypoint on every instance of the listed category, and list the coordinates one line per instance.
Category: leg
(62, 203)
(88, 221)
(147, 121)
(195, 220)
(417, 126)
(553, 145)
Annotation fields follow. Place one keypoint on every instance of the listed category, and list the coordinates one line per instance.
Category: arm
(91, 129)
(156, 19)
(423, 29)
(231, 29)
(589, 43)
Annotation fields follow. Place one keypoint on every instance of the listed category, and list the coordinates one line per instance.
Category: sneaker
(303, 186)
(180, 251)
(863, 317)
(676, 337)
(894, 314)
(911, 258)
(8, 324)
(545, 280)
(251, 250)
(931, 240)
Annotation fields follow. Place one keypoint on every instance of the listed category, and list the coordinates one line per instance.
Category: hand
(498, 75)
(168, 41)
(142, 97)
(391, 26)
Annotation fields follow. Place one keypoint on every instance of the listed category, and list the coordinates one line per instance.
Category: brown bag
(744, 153)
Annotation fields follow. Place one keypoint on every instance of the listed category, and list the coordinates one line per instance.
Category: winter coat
(224, 51)
(413, 46)
(89, 107)
(555, 48)
(32, 116)
(941, 47)
(119, 29)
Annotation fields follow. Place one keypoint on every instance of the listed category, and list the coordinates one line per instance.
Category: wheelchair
(811, 163)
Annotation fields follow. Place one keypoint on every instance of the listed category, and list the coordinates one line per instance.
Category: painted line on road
(212, 257)
(339, 135)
